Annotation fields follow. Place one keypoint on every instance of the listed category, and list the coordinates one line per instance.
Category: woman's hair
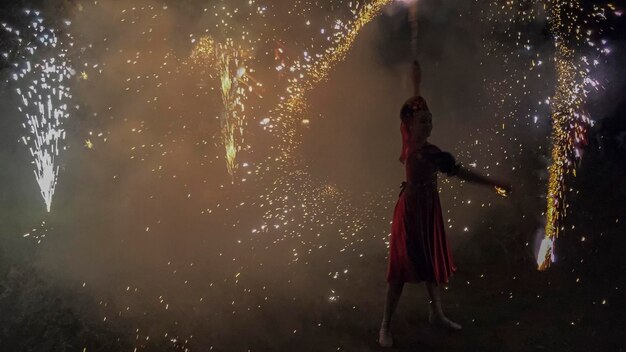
(411, 106)
(407, 113)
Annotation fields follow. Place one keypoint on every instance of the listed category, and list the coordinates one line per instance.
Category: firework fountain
(227, 62)
(575, 55)
(43, 72)
(570, 120)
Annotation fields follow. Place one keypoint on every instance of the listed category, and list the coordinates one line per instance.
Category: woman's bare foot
(384, 337)
(439, 319)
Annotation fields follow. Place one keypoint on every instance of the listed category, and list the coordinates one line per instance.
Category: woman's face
(422, 124)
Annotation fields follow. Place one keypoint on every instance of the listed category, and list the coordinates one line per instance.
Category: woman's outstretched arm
(417, 77)
(476, 178)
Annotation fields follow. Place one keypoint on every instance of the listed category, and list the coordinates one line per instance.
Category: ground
(503, 303)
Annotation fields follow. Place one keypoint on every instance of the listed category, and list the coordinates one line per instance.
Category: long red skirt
(419, 250)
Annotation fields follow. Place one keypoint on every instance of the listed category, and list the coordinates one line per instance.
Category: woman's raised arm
(417, 78)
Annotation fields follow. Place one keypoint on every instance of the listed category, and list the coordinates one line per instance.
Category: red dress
(419, 250)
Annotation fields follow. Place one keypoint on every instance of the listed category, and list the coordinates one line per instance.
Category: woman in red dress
(419, 251)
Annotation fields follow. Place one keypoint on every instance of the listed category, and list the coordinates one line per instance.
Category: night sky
(151, 244)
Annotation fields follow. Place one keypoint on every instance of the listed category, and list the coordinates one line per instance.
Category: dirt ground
(503, 303)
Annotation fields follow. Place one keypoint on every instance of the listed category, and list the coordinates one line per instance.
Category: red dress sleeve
(445, 162)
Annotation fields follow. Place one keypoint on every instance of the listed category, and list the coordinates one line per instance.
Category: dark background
(99, 281)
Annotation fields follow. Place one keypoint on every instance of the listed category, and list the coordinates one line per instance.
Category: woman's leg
(394, 290)
(435, 312)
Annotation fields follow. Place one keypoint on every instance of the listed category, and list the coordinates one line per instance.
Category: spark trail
(570, 122)
(290, 111)
(294, 196)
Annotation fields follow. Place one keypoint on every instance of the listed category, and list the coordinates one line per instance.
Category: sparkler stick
(501, 191)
